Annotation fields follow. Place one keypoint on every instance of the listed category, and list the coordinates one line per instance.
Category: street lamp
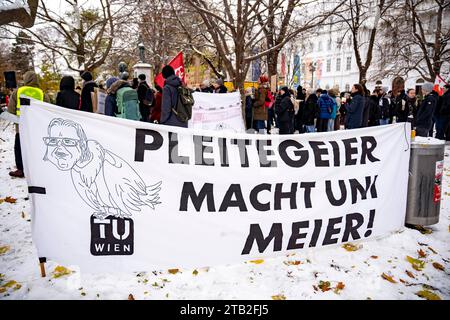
(312, 68)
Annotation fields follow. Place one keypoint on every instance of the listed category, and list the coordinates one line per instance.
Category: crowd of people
(290, 111)
(329, 110)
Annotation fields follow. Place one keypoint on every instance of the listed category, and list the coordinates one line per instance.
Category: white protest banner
(212, 112)
(114, 194)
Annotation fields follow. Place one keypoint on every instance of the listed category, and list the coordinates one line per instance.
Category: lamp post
(312, 68)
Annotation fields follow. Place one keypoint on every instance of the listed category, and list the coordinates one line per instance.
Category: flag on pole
(439, 84)
(178, 65)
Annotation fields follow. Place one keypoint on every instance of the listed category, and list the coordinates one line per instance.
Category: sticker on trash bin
(438, 180)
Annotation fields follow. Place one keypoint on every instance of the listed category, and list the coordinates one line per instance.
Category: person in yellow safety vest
(30, 89)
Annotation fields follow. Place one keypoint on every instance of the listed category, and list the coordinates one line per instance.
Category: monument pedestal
(144, 68)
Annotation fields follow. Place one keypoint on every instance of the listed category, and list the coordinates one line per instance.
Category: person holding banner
(170, 98)
(285, 112)
(31, 89)
(67, 97)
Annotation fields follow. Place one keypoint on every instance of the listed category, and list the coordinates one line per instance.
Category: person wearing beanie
(285, 111)
(170, 98)
(145, 96)
(219, 86)
(424, 119)
(67, 97)
(88, 87)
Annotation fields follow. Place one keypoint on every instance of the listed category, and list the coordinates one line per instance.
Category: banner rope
(406, 137)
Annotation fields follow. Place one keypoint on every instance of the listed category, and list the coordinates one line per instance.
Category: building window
(338, 64)
(347, 87)
(338, 44)
(303, 68)
(349, 63)
(329, 45)
(329, 65)
(319, 48)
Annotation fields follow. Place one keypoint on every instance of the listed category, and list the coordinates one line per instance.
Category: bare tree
(236, 27)
(363, 21)
(82, 36)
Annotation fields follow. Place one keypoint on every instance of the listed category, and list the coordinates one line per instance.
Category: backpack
(183, 106)
(128, 104)
(149, 97)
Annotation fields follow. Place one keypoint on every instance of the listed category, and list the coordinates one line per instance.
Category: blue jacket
(335, 106)
(326, 105)
(110, 105)
(355, 112)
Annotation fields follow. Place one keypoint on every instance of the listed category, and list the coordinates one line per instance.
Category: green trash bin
(426, 167)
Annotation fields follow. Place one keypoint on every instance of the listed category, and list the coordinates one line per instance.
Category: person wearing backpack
(127, 102)
(146, 97)
(170, 98)
(259, 104)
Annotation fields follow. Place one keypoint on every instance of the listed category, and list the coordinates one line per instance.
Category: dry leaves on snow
(351, 247)
(259, 261)
(174, 271)
(61, 271)
(421, 253)
(292, 263)
(10, 200)
(4, 249)
(410, 274)
(195, 272)
(130, 297)
(279, 297)
(426, 294)
(388, 278)
(416, 263)
(10, 285)
(438, 266)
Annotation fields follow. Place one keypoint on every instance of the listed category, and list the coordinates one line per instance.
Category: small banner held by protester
(212, 112)
(111, 194)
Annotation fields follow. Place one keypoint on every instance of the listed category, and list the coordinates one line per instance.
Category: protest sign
(113, 194)
(212, 112)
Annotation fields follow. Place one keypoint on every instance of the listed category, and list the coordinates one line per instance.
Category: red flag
(439, 84)
(178, 65)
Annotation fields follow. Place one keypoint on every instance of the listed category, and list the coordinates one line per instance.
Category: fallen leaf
(23, 215)
(130, 297)
(403, 281)
(426, 294)
(416, 263)
(195, 272)
(421, 253)
(4, 249)
(61, 271)
(324, 285)
(259, 261)
(350, 247)
(432, 250)
(340, 286)
(2, 290)
(410, 274)
(438, 266)
(10, 200)
(279, 297)
(421, 229)
(10, 284)
(292, 263)
(174, 271)
(388, 278)
(374, 257)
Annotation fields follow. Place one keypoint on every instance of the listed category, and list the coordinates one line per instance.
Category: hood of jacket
(173, 81)
(117, 85)
(30, 79)
(67, 83)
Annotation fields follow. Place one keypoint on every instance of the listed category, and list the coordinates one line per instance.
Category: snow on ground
(296, 276)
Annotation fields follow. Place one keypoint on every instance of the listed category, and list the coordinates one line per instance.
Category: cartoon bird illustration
(105, 182)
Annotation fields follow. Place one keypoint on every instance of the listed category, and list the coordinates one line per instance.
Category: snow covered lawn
(375, 270)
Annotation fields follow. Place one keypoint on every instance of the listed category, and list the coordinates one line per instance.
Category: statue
(141, 51)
